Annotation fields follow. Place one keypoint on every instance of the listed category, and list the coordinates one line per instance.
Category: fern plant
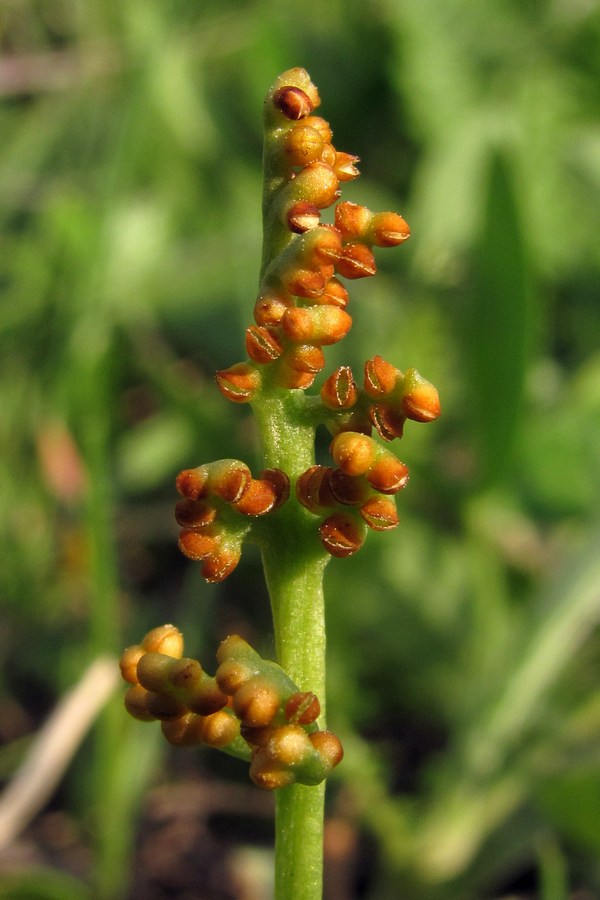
(300, 513)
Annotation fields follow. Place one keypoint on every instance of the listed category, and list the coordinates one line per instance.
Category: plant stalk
(296, 590)
(294, 564)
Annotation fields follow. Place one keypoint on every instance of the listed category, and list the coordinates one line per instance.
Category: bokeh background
(464, 651)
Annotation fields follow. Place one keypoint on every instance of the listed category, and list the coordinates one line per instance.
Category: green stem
(295, 582)
(294, 574)
(299, 812)
(286, 441)
(294, 563)
(293, 558)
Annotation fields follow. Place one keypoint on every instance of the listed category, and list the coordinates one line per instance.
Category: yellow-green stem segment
(294, 563)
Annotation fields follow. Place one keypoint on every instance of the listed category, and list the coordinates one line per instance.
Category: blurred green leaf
(500, 321)
(152, 451)
(43, 884)
(573, 802)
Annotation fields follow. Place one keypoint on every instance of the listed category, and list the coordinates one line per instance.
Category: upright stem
(293, 558)
(294, 562)
(299, 816)
(296, 590)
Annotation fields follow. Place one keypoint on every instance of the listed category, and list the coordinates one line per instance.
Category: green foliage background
(463, 647)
